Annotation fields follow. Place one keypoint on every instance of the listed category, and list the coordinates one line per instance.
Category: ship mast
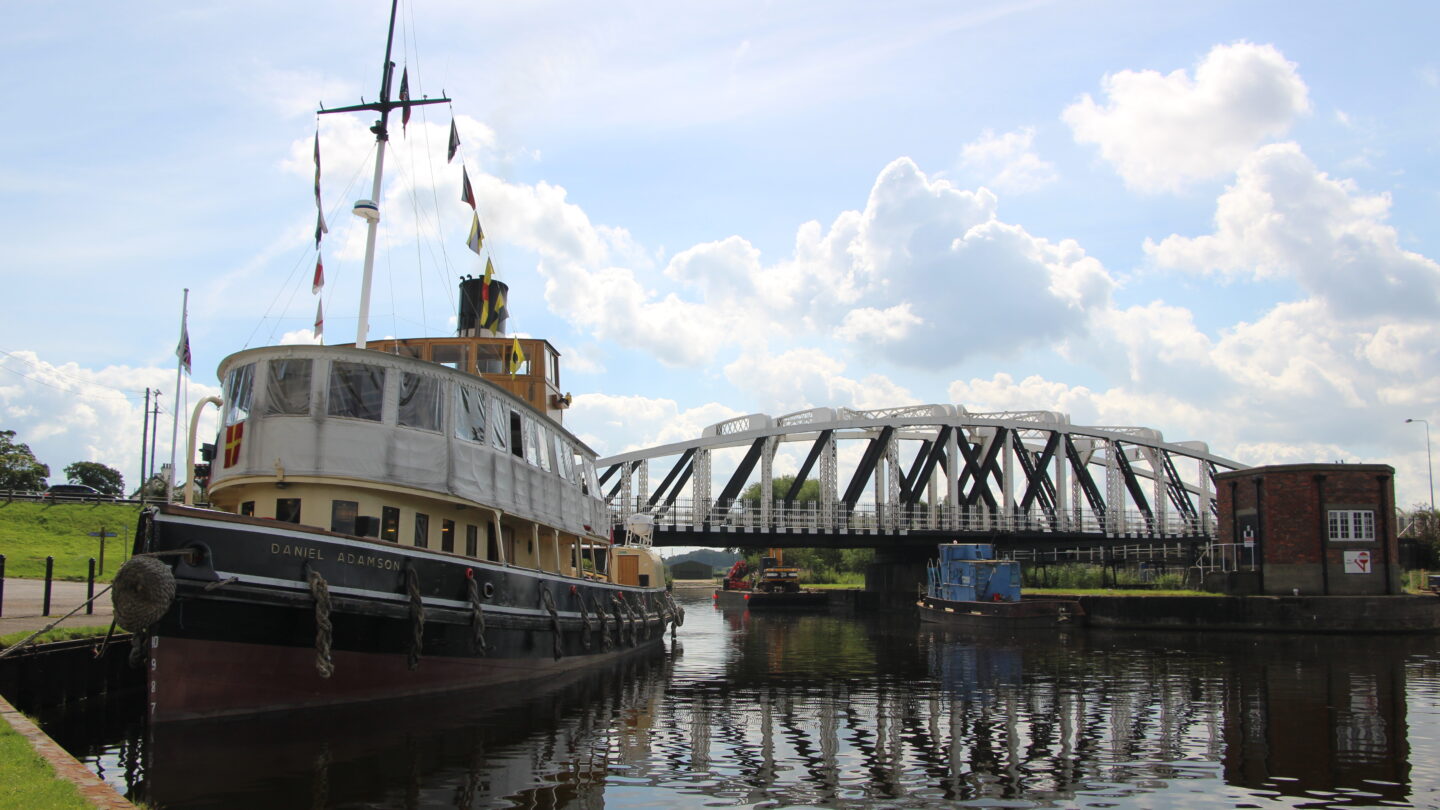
(369, 210)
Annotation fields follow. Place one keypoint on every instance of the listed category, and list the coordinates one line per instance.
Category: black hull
(243, 635)
(1025, 614)
(759, 600)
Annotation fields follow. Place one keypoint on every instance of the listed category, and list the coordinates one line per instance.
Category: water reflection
(819, 710)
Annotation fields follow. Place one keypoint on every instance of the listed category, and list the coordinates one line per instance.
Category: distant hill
(715, 559)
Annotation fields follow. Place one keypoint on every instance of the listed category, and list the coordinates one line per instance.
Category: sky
(1214, 220)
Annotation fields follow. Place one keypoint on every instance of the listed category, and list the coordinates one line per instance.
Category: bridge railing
(811, 516)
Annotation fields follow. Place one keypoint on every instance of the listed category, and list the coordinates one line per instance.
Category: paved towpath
(24, 600)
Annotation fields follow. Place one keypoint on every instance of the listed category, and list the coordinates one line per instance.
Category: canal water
(821, 710)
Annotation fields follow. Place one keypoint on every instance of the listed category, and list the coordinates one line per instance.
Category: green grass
(27, 780)
(31, 531)
(58, 634)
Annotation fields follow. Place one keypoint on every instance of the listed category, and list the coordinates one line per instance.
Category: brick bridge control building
(1319, 529)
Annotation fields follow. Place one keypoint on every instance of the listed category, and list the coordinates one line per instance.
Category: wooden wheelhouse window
(450, 355)
(356, 390)
(422, 530)
(390, 523)
(287, 510)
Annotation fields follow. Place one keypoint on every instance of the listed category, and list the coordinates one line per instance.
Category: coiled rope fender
(606, 643)
(585, 625)
(417, 619)
(477, 618)
(616, 606)
(324, 661)
(675, 609)
(548, 601)
(142, 592)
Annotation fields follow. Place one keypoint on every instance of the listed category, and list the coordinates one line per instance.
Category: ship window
(416, 351)
(239, 386)
(288, 392)
(342, 516)
(591, 483)
(516, 444)
(499, 422)
(390, 524)
(287, 510)
(563, 456)
(447, 535)
(449, 355)
(419, 401)
(472, 540)
(491, 359)
(492, 546)
(469, 414)
(552, 368)
(422, 530)
(356, 390)
(247, 508)
(539, 439)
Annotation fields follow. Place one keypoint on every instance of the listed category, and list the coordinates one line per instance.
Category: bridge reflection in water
(823, 710)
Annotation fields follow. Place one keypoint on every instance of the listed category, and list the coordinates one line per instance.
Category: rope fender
(477, 618)
(547, 599)
(320, 589)
(586, 627)
(606, 643)
(417, 618)
(142, 592)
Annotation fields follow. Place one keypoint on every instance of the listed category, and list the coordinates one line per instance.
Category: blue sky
(1212, 220)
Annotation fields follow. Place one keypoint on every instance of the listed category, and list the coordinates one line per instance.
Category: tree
(19, 468)
(92, 473)
(779, 487)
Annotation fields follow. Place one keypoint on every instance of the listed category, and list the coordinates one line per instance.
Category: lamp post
(1428, 464)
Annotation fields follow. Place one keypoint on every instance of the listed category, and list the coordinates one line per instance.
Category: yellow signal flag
(517, 356)
(477, 234)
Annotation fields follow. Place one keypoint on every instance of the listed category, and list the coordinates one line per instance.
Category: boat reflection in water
(819, 709)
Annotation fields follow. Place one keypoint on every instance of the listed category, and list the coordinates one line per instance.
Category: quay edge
(90, 788)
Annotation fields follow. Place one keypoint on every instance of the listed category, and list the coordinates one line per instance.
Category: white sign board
(1357, 562)
(1249, 537)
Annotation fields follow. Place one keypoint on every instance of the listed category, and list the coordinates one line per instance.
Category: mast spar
(369, 210)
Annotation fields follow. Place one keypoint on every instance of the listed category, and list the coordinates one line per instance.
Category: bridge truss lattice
(922, 470)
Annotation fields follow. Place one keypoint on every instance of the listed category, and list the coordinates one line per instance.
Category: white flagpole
(179, 376)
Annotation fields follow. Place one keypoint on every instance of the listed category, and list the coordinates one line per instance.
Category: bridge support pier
(898, 573)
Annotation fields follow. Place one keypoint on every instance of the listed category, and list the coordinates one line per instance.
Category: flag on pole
(319, 283)
(485, 295)
(319, 319)
(517, 356)
(404, 97)
(477, 235)
(320, 227)
(454, 141)
(182, 351)
(467, 194)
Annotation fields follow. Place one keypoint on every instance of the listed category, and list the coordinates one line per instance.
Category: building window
(422, 530)
(247, 508)
(342, 516)
(447, 535)
(1352, 525)
(287, 510)
(472, 540)
(390, 523)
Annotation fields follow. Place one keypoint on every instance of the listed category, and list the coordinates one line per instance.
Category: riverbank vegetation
(30, 531)
(27, 780)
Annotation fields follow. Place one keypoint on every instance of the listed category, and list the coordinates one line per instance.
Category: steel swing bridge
(923, 472)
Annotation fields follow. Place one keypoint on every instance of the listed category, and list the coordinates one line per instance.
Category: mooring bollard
(90, 590)
(49, 578)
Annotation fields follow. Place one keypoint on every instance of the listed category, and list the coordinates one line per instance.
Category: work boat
(388, 519)
(966, 587)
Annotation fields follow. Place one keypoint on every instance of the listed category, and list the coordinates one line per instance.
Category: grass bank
(58, 634)
(29, 532)
(27, 780)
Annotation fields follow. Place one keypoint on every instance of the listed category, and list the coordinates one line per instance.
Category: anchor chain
(477, 618)
(417, 619)
(320, 589)
(548, 600)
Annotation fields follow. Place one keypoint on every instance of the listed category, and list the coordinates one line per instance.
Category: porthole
(488, 589)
